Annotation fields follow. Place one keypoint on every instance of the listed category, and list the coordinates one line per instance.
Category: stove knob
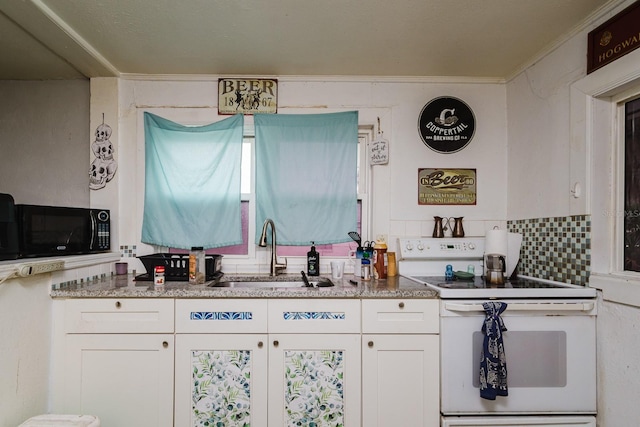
(409, 246)
(472, 246)
(420, 246)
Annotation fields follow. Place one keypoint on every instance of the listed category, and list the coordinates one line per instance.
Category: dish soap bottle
(313, 261)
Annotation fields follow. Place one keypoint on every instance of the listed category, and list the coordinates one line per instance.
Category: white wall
(395, 186)
(560, 129)
(539, 162)
(25, 348)
(44, 137)
(44, 142)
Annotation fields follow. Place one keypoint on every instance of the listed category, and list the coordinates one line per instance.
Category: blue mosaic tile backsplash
(555, 248)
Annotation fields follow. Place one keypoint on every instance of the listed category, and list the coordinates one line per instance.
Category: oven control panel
(418, 248)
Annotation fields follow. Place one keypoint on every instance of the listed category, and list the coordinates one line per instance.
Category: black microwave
(54, 230)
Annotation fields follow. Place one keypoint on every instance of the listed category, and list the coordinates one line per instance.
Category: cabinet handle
(118, 305)
(370, 343)
(401, 305)
(260, 344)
(276, 343)
(165, 344)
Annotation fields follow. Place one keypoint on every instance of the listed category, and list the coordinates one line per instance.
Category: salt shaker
(158, 278)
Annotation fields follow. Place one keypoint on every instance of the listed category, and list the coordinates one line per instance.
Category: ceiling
(69, 39)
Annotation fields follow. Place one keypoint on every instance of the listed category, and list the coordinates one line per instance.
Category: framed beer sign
(446, 186)
(247, 96)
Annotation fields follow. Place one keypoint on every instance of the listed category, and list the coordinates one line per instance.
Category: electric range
(424, 260)
(549, 340)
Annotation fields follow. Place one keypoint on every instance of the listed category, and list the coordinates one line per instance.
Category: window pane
(632, 186)
(245, 173)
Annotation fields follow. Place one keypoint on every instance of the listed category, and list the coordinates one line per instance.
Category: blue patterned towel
(493, 363)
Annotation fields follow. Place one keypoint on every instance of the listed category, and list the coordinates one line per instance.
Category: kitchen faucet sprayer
(274, 266)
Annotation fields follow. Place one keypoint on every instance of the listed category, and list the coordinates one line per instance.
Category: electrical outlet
(32, 268)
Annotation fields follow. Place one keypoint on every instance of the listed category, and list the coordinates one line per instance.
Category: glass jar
(196, 266)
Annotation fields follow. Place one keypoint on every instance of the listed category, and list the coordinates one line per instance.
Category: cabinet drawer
(314, 316)
(118, 315)
(400, 316)
(235, 316)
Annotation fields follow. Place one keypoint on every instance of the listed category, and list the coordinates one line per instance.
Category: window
(365, 135)
(631, 166)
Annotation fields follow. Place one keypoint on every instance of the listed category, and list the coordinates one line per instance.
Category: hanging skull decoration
(98, 174)
(104, 167)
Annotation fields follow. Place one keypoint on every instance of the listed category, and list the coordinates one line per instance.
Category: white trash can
(55, 420)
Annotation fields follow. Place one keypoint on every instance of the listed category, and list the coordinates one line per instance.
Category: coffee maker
(502, 253)
(495, 269)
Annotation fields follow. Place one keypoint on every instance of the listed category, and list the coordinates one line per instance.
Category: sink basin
(270, 284)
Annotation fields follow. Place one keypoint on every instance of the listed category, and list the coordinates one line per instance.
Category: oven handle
(538, 306)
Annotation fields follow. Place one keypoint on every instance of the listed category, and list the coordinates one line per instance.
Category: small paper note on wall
(379, 152)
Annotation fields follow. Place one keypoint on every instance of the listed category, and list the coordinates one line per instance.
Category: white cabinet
(221, 363)
(104, 367)
(233, 369)
(124, 379)
(258, 362)
(221, 379)
(314, 379)
(400, 363)
(314, 362)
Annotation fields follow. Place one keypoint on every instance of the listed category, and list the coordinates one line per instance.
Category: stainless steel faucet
(275, 267)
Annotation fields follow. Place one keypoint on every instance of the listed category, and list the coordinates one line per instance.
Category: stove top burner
(519, 288)
(480, 283)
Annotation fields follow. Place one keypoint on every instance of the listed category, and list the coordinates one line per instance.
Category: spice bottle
(380, 259)
(158, 278)
(196, 265)
(391, 264)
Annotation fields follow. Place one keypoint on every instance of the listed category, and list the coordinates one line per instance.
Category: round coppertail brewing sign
(446, 125)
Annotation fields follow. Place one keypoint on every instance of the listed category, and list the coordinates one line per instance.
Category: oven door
(550, 349)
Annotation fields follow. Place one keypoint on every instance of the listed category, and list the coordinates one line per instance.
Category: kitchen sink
(271, 284)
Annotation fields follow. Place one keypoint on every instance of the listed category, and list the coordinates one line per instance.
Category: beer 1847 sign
(446, 186)
(446, 125)
(247, 96)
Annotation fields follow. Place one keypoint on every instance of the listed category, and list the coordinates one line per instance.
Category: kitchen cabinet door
(314, 379)
(221, 379)
(126, 380)
(400, 380)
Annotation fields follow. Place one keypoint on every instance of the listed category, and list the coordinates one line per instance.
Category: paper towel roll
(496, 242)
(514, 241)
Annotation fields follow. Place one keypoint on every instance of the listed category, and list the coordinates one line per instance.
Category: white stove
(424, 260)
(549, 342)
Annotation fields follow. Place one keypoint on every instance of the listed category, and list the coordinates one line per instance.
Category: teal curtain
(192, 183)
(306, 176)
